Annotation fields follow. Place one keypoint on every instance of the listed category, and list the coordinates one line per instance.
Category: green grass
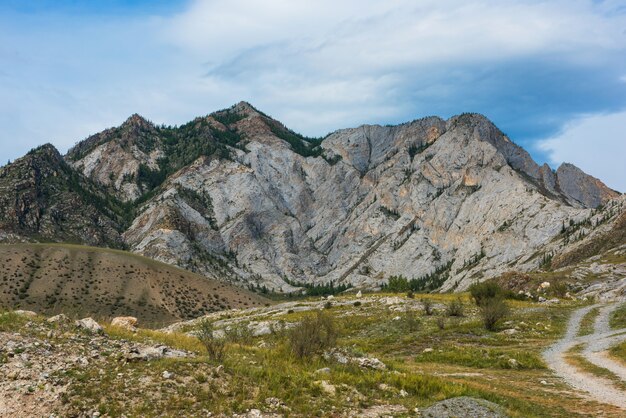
(619, 351)
(588, 321)
(11, 322)
(618, 317)
(481, 357)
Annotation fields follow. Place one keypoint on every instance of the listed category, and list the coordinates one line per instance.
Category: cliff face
(236, 195)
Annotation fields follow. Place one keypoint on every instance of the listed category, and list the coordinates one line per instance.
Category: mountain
(42, 197)
(237, 196)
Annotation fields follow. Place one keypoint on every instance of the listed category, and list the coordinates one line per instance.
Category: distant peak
(136, 120)
(45, 149)
(244, 108)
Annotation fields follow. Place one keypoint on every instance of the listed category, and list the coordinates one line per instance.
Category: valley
(391, 359)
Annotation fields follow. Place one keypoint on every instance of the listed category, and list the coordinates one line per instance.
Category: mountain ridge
(238, 196)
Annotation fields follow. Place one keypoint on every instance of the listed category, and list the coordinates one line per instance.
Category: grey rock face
(582, 187)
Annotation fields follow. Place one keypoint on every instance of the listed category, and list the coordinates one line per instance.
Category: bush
(215, 347)
(357, 303)
(482, 292)
(410, 294)
(455, 308)
(411, 320)
(313, 335)
(558, 289)
(239, 333)
(441, 322)
(493, 311)
(428, 306)
(328, 305)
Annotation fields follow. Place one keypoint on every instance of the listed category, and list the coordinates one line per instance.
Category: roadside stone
(464, 406)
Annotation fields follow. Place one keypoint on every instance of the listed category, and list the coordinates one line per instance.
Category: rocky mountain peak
(582, 187)
(137, 121)
(245, 108)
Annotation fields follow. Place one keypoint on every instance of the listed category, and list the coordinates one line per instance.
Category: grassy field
(428, 358)
(88, 281)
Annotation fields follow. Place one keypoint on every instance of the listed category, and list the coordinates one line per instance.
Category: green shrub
(441, 322)
(492, 311)
(215, 346)
(411, 321)
(239, 333)
(482, 292)
(313, 335)
(455, 308)
(427, 304)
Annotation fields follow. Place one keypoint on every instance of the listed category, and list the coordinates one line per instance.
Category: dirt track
(595, 346)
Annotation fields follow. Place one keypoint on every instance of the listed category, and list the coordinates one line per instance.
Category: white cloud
(315, 65)
(596, 144)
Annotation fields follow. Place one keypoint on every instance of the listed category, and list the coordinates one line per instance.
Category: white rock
(327, 387)
(126, 322)
(167, 375)
(90, 325)
(60, 318)
(29, 314)
(359, 294)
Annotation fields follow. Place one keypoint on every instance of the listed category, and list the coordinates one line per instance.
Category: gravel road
(595, 346)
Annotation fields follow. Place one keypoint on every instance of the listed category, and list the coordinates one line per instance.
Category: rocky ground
(38, 364)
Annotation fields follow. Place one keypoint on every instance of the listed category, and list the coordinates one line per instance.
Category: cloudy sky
(550, 74)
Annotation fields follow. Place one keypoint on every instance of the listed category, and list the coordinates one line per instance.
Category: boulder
(29, 314)
(126, 322)
(88, 324)
(464, 406)
(58, 319)
(147, 353)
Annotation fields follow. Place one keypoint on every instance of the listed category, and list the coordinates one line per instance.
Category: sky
(550, 74)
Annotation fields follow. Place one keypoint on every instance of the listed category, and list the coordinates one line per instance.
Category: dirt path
(595, 346)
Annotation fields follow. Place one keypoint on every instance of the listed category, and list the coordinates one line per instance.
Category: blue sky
(551, 74)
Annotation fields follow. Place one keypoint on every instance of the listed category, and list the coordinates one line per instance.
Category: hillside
(236, 196)
(86, 281)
